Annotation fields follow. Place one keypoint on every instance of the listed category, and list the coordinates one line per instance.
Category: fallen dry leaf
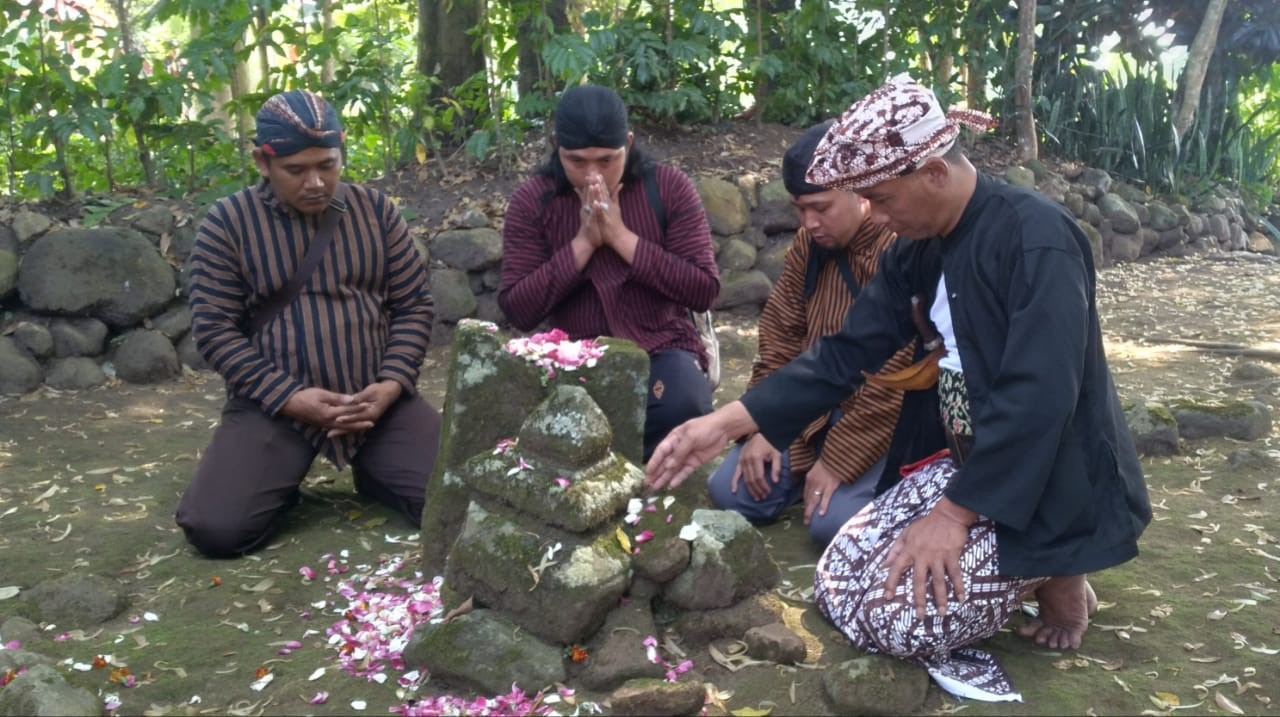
(1225, 703)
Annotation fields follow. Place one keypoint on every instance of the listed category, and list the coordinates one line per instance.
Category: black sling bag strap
(315, 253)
(819, 256)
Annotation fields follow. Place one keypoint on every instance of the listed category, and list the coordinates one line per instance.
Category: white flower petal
(690, 531)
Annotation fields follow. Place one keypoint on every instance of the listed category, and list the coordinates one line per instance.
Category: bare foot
(1065, 606)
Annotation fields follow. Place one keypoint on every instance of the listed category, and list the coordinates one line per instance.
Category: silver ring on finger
(604, 206)
(817, 492)
(586, 209)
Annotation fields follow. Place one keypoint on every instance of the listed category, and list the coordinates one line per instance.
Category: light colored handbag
(705, 325)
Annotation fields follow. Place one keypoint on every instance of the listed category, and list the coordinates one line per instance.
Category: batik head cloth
(295, 120)
(887, 134)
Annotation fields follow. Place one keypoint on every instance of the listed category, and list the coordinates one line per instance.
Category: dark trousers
(678, 391)
(250, 473)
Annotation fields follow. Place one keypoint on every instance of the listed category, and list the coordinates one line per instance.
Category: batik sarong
(849, 589)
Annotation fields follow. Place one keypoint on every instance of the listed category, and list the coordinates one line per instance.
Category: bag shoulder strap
(817, 258)
(655, 198)
(315, 253)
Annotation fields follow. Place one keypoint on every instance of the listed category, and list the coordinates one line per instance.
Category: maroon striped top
(647, 301)
(363, 316)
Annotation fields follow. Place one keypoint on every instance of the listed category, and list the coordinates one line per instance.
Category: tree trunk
(264, 48)
(762, 25)
(1197, 62)
(533, 40)
(445, 50)
(1025, 119)
(326, 26)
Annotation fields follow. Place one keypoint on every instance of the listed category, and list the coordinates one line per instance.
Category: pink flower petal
(644, 536)
(319, 699)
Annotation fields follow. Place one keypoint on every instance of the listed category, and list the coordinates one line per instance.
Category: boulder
(875, 685)
(727, 210)
(451, 291)
(189, 355)
(75, 373)
(76, 600)
(174, 323)
(1249, 459)
(1241, 420)
(1162, 217)
(750, 288)
(78, 337)
(8, 271)
(114, 275)
(776, 643)
(1125, 247)
(1249, 371)
(1074, 202)
(1121, 214)
(22, 630)
(19, 372)
(27, 225)
(146, 356)
(617, 652)
(728, 562)
(1257, 243)
(468, 249)
(491, 561)
(1154, 430)
(658, 697)
(483, 650)
(473, 218)
(699, 627)
(771, 260)
(1020, 177)
(34, 338)
(487, 309)
(1095, 241)
(42, 692)
(776, 213)
(735, 255)
(1094, 182)
(154, 219)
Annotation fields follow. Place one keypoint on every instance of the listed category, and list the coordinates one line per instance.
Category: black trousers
(250, 473)
(678, 391)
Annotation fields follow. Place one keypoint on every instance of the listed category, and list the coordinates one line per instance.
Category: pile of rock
(534, 519)
(95, 302)
(84, 304)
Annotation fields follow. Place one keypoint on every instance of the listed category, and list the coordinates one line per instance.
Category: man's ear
(936, 171)
(631, 138)
(263, 162)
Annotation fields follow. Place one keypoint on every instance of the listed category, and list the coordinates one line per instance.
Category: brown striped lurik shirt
(363, 316)
(789, 324)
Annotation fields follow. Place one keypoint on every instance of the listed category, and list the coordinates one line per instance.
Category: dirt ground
(89, 482)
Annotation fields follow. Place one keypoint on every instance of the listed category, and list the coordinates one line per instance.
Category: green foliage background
(128, 94)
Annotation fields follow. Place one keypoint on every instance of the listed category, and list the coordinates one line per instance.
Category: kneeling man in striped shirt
(834, 465)
(309, 298)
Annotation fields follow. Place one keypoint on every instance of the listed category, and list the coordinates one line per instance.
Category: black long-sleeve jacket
(1053, 464)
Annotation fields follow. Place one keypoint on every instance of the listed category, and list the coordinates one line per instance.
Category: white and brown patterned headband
(887, 134)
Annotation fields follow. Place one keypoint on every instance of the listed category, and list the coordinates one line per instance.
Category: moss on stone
(1229, 410)
(619, 384)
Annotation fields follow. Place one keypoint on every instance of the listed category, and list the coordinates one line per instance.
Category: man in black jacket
(1019, 474)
